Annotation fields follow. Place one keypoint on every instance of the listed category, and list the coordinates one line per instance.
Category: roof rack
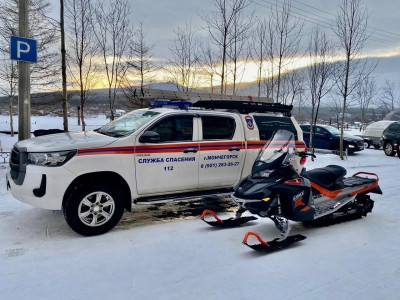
(151, 94)
(245, 106)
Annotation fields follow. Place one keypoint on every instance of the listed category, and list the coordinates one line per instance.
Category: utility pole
(24, 84)
(63, 68)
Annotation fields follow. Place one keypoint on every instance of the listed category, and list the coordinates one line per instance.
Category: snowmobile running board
(231, 222)
(273, 245)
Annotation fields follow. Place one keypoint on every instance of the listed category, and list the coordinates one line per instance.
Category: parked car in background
(328, 137)
(374, 131)
(390, 139)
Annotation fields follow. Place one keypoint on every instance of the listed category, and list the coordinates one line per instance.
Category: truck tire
(367, 144)
(93, 209)
(388, 148)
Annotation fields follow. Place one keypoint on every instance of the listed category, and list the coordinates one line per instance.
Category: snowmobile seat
(329, 177)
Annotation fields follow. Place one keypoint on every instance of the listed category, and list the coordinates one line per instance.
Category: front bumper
(254, 206)
(33, 192)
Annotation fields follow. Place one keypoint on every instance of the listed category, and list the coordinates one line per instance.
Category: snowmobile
(275, 190)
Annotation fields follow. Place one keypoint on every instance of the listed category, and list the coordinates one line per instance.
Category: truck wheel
(93, 209)
(388, 148)
(367, 144)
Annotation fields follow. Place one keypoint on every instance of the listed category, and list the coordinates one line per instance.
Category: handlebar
(305, 154)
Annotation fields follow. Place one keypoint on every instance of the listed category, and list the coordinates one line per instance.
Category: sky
(160, 17)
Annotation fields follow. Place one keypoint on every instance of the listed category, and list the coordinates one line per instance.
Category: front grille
(360, 143)
(17, 166)
(15, 156)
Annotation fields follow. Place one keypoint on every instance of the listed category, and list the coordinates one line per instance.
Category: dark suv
(390, 139)
(328, 137)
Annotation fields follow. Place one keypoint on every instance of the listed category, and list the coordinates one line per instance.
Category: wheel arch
(106, 177)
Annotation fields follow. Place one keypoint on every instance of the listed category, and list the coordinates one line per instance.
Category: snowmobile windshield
(127, 124)
(277, 152)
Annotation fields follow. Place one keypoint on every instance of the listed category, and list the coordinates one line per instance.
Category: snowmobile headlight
(51, 159)
(263, 174)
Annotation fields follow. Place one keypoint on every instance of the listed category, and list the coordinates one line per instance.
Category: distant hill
(44, 103)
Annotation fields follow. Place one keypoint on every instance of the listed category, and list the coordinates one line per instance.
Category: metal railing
(4, 158)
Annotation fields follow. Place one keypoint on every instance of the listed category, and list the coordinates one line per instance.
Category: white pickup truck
(147, 155)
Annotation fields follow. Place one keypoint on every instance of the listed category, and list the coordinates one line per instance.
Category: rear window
(394, 127)
(305, 128)
(267, 125)
(218, 128)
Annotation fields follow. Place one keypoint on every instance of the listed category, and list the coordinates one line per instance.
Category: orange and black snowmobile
(275, 190)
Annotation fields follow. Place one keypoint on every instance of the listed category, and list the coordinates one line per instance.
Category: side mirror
(150, 137)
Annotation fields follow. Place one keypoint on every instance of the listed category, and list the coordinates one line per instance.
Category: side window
(319, 130)
(173, 129)
(218, 128)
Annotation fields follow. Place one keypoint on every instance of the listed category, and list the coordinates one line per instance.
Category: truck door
(171, 164)
(221, 151)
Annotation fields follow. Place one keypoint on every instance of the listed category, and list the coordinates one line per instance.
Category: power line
(325, 22)
(331, 14)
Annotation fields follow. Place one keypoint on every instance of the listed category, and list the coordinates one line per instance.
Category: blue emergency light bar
(173, 103)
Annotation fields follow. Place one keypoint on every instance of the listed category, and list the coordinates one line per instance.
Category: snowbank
(41, 258)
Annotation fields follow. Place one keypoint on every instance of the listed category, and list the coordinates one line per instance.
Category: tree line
(103, 47)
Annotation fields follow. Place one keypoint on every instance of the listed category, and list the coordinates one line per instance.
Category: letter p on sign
(23, 49)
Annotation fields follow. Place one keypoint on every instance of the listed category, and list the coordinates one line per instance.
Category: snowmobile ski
(273, 245)
(231, 222)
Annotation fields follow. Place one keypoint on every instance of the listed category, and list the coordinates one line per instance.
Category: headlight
(351, 146)
(263, 174)
(51, 159)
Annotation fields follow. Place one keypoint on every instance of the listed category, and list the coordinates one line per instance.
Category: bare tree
(45, 71)
(351, 30)
(238, 50)
(319, 74)
(260, 53)
(285, 33)
(219, 24)
(185, 58)
(142, 64)
(113, 35)
(365, 96)
(389, 97)
(209, 64)
(82, 49)
(292, 85)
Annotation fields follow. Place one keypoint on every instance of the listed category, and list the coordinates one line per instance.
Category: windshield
(128, 123)
(332, 130)
(276, 152)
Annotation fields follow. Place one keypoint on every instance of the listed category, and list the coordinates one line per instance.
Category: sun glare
(247, 71)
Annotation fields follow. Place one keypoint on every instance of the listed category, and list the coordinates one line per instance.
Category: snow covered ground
(41, 258)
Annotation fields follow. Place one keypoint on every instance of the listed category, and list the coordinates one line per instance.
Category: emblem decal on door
(249, 122)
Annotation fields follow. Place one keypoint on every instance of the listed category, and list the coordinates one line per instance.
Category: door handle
(234, 149)
(190, 150)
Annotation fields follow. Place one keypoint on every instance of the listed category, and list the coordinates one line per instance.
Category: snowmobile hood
(65, 141)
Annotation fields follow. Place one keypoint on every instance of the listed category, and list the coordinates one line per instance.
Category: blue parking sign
(23, 49)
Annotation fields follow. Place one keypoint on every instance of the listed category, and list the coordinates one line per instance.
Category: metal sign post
(25, 51)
